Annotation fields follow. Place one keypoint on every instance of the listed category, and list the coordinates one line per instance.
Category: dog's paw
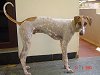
(27, 73)
(27, 67)
(70, 71)
(65, 66)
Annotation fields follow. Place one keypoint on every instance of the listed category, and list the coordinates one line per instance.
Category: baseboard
(89, 41)
(12, 58)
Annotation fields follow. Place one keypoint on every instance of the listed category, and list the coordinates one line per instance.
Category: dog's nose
(81, 33)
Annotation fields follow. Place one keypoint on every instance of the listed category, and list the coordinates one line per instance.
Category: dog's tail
(10, 18)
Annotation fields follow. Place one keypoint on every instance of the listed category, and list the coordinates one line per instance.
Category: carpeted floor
(81, 66)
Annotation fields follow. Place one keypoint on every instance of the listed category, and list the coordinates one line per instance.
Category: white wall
(41, 43)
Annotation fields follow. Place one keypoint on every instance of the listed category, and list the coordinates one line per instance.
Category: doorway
(8, 30)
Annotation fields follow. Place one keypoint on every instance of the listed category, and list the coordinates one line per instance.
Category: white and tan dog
(59, 29)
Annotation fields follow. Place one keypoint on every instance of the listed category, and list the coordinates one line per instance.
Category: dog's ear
(89, 19)
(76, 19)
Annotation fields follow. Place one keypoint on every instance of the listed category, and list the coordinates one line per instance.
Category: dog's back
(51, 25)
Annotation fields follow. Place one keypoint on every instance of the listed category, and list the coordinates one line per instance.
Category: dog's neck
(73, 27)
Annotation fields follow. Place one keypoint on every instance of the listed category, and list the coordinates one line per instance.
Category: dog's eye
(79, 23)
(85, 24)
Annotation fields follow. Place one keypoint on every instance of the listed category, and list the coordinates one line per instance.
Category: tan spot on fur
(30, 19)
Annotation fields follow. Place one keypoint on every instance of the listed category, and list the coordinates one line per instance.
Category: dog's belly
(57, 35)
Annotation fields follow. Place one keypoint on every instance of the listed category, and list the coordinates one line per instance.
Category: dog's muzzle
(82, 31)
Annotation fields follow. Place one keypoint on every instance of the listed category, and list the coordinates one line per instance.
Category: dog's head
(81, 22)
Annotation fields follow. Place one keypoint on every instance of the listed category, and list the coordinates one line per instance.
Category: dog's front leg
(64, 55)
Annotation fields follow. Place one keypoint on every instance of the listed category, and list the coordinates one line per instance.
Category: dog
(58, 29)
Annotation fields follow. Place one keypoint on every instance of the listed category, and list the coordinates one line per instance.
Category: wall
(93, 31)
(41, 43)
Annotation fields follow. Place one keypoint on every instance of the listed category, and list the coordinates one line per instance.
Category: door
(8, 30)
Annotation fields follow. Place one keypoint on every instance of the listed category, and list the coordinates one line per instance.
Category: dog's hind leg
(26, 36)
(64, 55)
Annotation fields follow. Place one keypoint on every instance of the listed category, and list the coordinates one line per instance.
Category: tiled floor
(87, 49)
(81, 66)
